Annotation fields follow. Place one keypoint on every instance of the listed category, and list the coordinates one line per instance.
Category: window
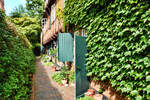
(83, 32)
(53, 12)
(44, 23)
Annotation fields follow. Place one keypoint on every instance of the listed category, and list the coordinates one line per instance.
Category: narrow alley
(45, 88)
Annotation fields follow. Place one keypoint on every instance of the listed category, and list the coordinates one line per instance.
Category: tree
(29, 27)
(35, 8)
(27, 21)
(18, 11)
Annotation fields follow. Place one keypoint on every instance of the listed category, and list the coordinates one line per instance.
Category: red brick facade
(109, 91)
(2, 4)
(51, 31)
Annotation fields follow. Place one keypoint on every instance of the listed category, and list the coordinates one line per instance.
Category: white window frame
(44, 22)
(83, 32)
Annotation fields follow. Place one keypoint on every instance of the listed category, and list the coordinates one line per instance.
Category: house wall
(2, 4)
(56, 26)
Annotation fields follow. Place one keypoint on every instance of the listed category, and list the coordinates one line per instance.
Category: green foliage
(45, 58)
(64, 72)
(54, 51)
(85, 98)
(100, 90)
(117, 41)
(48, 63)
(18, 12)
(59, 12)
(35, 8)
(17, 64)
(57, 77)
(72, 76)
(29, 27)
(27, 21)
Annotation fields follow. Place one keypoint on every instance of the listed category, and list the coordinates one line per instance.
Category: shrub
(17, 64)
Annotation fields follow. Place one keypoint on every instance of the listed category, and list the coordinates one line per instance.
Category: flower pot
(89, 94)
(66, 85)
(64, 81)
(97, 97)
(91, 91)
(72, 84)
(54, 69)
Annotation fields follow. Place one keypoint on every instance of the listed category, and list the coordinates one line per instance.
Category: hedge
(118, 42)
(17, 64)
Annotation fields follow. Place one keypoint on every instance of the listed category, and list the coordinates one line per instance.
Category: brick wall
(2, 4)
(109, 92)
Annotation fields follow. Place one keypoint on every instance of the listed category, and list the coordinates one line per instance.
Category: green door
(65, 47)
(82, 84)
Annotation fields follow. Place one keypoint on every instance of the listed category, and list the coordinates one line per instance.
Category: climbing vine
(16, 64)
(118, 42)
(59, 14)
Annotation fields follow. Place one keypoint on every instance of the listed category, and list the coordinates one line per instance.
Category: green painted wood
(82, 84)
(65, 47)
(49, 22)
(42, 49)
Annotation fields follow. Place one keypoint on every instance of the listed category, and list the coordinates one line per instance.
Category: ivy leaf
(134, 92)
(128, 53)
(139, 97)
(127, 66)
(147, 89)
(89, 74)
(148, 78)
(133, 1)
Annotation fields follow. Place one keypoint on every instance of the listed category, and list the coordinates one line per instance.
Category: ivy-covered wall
(17, 64)
(118, 42)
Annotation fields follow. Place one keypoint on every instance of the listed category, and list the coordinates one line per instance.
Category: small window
(83, 32)
(44, 23)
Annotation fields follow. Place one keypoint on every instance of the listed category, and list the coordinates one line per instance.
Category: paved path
(46, 89)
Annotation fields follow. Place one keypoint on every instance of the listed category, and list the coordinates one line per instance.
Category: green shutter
(49, 22)
(65, 47)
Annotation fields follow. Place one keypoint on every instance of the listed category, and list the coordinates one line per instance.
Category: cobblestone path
(45, 88)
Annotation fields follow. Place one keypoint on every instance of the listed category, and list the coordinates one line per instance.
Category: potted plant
(64, 75)
(64, 81)
(101, 90)
(54, 68)
(91, 91)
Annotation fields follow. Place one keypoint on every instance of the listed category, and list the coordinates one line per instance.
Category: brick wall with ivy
(118, 42)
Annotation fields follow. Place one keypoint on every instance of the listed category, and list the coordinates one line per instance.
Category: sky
(11, 4)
